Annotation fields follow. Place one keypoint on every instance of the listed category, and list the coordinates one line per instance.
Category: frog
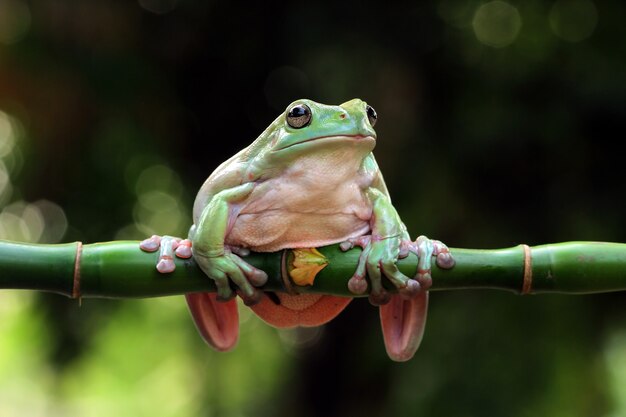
(309, 180)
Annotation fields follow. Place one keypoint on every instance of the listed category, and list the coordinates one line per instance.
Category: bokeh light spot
(615, 358)
(23, 352)
(158, 201)
(573, 20)
(54, 220)
(158, 209)
(13, 227)
(32, 217)
(42, 221)
(11, 131)
(497, 24)
(300, 338)
(159, 177)
(15, 20)
(7, 132)
(5, 184)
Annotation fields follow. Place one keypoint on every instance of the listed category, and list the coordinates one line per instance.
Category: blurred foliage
(499, 123)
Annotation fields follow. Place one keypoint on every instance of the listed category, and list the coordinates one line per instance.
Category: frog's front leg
(403, 315)
(206, 242)
(388, 242)
(219, 261)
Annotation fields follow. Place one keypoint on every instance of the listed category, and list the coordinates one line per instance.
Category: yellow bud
(305, 265)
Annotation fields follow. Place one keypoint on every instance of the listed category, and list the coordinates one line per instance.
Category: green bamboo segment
(579, 267)
(121, 270)
(37, 267)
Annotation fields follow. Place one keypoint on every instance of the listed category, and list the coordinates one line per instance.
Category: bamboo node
(76, 285)
(528, 270)
(284, 260)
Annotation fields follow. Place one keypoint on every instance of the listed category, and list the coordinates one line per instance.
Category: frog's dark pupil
(371, 115)
(298, 111)
(299, 116)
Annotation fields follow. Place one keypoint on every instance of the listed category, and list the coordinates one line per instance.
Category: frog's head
(306, 125)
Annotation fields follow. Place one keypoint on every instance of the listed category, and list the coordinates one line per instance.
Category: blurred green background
(499, 123)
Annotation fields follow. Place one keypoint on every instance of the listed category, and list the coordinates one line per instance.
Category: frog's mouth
(332, 138)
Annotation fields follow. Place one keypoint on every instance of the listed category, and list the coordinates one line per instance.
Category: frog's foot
(168, 246)
(357, 284)
(379, 256)
(403, 321)
(217, 322)
(229, 266)
(403, 315)
(425, 249)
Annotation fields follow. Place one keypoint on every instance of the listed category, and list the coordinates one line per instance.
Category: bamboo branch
(121, 270)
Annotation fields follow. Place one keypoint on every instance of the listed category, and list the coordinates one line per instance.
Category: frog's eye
(299, 116)
(371, 115)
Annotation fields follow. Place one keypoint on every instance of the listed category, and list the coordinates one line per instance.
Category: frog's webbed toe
(426, 249)
(216, 315)
(357, 284)
(168, 246)
(404, 318)
(229, 266)
(379, 257)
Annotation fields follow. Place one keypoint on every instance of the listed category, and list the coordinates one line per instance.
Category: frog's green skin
(301, 188)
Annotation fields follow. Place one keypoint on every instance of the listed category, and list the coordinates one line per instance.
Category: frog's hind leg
(284, 310)
(217, 321)
(403, 321)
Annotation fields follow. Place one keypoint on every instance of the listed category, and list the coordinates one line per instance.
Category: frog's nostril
(342, 116)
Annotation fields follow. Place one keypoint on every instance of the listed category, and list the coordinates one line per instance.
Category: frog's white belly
(314, 203)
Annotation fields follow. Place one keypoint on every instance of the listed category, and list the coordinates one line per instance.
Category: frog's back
(227, 175)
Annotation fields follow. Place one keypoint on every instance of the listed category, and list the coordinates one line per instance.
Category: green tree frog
(309, 180)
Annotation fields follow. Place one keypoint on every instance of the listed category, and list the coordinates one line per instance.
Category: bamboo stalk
(121, 270)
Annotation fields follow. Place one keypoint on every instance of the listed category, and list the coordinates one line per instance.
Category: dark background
(499, 124)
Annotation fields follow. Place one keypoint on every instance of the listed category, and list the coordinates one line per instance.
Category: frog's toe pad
(445, 260)
(424, 278)
(357, 285)
(379, 299)
(411, 290)
(361, 241)
(238, 250)
(345, 246)
(166, 265)
(257, 277)
(251, 300)
(150, 244)
(183, 250)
